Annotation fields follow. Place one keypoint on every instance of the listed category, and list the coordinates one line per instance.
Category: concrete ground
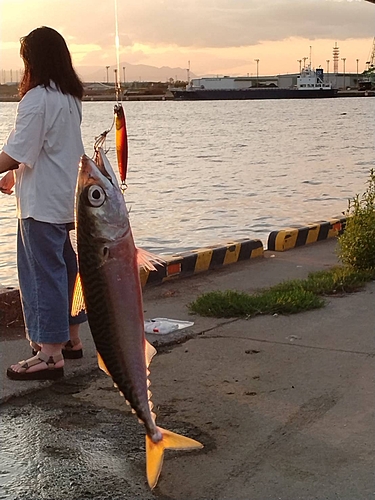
(284, 405)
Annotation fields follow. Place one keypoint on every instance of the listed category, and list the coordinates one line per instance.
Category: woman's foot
(40, 367)
(71, 349)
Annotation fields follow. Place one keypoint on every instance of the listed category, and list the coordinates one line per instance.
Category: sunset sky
(216, 36)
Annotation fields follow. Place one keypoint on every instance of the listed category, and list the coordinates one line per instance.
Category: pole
(327, 70)
(257, 61)
(188, 73)
(357, 70)
(344, 59)
(124, 69)
(107, 68)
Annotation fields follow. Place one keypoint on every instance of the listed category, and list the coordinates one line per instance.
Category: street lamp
(357, 70)
(107, 68)
(257, 61)
(300, 65)
(343, 59)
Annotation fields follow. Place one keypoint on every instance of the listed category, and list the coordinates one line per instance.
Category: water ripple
(202, 173)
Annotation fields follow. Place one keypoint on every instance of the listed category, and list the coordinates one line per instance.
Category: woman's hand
(7, 183)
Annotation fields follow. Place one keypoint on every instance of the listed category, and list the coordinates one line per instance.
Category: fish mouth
(105, 166)
(90, 170)
(88, 166)
(100, 163)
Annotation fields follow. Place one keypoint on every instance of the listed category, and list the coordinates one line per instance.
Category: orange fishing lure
(121, 142)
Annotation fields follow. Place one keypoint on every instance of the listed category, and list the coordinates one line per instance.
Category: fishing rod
(121, 135)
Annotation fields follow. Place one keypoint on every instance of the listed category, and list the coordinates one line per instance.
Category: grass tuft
(289, 297)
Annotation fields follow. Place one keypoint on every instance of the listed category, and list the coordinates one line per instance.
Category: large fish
(109, 273)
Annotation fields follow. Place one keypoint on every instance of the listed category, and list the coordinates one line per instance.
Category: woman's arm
(7, 182)
(7, 163)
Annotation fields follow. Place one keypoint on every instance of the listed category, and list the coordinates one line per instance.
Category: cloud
(235, 23)
(192, 23)
(217, 34)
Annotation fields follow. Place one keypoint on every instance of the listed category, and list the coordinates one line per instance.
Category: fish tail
(155, 452)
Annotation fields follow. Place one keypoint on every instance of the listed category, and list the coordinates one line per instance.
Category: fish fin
(155, 452)
(150, 353)
(147, 259)
(174, 441)
(73, 240)
(102, 365)
(154, 461)
(78, 303)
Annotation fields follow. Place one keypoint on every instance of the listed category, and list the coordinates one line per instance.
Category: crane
(367, 82)
(370, 63)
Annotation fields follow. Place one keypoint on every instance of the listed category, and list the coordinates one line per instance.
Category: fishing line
(117, 44)
(120, 121)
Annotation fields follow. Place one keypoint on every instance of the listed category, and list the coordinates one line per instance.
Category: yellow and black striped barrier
(293, 237)
(203, 259)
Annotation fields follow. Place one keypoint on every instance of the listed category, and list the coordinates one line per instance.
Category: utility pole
(343, 59)
(357, 70)
(188, 73)
(257, 61)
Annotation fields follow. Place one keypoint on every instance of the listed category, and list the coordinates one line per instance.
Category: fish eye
(96, 196)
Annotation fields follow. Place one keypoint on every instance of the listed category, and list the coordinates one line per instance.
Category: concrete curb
(177, 266)
(293, 237)
(204, 259)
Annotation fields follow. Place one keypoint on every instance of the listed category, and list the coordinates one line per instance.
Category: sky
(222, 37)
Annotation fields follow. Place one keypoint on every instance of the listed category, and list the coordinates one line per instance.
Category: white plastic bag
(162, 326)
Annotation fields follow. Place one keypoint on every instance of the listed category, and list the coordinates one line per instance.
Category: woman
(42, 155)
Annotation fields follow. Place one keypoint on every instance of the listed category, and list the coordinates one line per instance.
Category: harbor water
(205, 173)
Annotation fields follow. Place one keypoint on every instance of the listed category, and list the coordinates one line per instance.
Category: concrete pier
(283, 404)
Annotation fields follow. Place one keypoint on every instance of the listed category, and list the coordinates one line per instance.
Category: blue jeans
(47, 269)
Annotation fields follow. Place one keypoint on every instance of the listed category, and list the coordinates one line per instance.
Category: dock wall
(204, 259)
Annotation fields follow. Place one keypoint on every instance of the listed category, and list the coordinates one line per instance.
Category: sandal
(68, 352)
(50, 373)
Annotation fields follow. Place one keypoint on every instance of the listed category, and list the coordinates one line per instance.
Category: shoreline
(169, 97)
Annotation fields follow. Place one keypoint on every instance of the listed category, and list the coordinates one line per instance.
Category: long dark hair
(46, 57)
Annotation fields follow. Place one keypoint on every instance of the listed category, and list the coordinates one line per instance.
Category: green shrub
(356, 246)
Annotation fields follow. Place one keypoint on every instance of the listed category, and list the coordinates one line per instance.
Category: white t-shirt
(47, 139)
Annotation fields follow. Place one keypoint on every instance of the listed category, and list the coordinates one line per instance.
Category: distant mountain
(133, 72)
